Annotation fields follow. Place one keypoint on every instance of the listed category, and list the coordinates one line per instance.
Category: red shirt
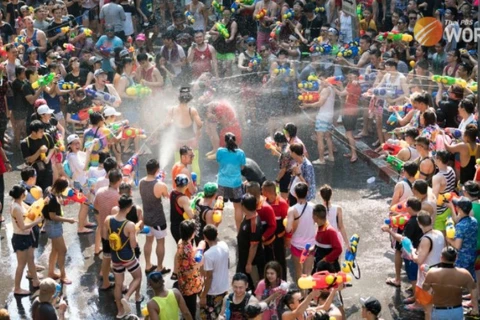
(269, 224)
(327, 238)
(280, 207)
(351, 102)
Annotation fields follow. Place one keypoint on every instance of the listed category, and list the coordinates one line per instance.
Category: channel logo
(428, 31)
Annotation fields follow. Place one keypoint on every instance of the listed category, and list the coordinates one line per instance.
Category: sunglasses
(251, 45)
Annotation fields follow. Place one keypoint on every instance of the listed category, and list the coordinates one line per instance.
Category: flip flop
(165, 270)
(99, 252)
(66, 281)
(353, 160)
(142, 298)
(153, 268)
(174, 277)
(85, 232)
(111, 286)
(391, 282)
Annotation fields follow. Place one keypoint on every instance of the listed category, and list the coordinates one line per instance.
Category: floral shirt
(467, 230)
(286, 161)
(190, 280)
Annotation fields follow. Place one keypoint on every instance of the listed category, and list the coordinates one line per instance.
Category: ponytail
(230, 142)
(326, 194)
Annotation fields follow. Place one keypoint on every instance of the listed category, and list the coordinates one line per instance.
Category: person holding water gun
(413, 232)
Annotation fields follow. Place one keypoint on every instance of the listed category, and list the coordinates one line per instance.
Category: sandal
(153, 268)
(391, 282)
(409, 300)
(174, 277)
(111, 286)
(165, 270)
(353, 160)
(412, 307)
(142, 297)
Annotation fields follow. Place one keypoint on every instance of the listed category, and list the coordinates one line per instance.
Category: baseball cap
(371, 304)
(181, 180)
(72, 138)
(463, 203)
(250, 40)
(141, 37)
(44, 109)
(94, 60)
(210, 188)
(471, 188)
(99, 72)
(48, 287)
(31, 49)
(111, 111)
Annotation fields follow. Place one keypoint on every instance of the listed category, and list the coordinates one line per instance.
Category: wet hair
(17, 191)
(377, 53)
(424, 219)
(429, 117)
(270, 185)
(125, 188)
(231, 142)
(95, 118)
(185, 97)
(421, 186)
(410, 167)
(414, 203)
(326, 193)
(449, 254)
(59, 186)
(291, 129)
(27, 173)
(423, 63)
(184, 150)
(366, 37)
(274, 265)
(320, 211)
(187, 229)
(421, 97)
(142, 57)
(468, 105)
(102, 156)
(253, 188)
(471, 132)
(114, 176)
(109, 164)
(412, 133)
(443, 156)
(423, 141)
(288, 298)
(125, 201)
(301, 190)
(152, 166)
(253, 309)
(19, 70)
(297, 148)
(210, 232)
(279, 137)
(240, 277)
(36, 125)
(249, 202)
(29, 72)
(468, 67)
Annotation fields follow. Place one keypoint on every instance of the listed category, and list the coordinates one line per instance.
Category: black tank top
(132, 215)
(200, 217)
(468, 172)
(126, 253)
(237, 311)
(176, 212)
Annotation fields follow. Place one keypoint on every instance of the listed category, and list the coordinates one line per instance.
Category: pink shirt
(261, 293)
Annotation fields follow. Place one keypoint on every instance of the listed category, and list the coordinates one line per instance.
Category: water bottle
(198, 255)
(194, 178)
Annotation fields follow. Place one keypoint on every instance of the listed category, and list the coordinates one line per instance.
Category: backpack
(114, 238)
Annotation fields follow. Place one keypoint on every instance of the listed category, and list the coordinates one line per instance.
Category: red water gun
(398, 221)
(130, 165)
(270, 144)
(305, 253)
(399, 207)
(84, 114)
(335, 80)
(310, 97)
(393, 146)
(74, 196)
(323, 280)
(69, 47)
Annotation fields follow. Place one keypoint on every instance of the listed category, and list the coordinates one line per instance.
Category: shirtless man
(183, 120)
(443, 182)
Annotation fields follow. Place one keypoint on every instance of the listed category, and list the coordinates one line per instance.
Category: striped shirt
(449, 175)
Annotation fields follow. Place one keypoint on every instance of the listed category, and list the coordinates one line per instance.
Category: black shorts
(349, 122)
(284, 183)
(106, 247)
(21, 242)
(35, 236)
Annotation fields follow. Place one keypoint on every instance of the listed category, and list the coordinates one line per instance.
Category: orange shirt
(176, 170)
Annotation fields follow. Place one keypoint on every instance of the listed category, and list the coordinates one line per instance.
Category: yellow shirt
(370, 25)
(168, 306)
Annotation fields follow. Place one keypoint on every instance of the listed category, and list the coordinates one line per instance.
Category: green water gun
(396, 163)
(222, 29)
(43, 80)
(217, 6)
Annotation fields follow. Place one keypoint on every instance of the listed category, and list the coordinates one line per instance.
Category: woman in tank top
(334, 214)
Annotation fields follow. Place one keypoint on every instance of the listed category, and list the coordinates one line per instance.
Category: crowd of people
(82, 81)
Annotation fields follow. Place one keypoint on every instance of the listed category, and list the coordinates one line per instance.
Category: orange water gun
(398, 221)
(309, 97)
(261, 14)
(399, 207)
(130, 132)
(218, 210)
(323, 280)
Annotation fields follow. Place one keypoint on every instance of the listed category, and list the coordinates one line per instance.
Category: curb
(384, 170)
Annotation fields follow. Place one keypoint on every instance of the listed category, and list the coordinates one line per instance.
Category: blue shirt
(112, 43)
(467, 230)
(230, 170)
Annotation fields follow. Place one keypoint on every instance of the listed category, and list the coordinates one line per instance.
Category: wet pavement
(364, 206)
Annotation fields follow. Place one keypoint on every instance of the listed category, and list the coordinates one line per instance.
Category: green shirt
(168, 306)
(476, 215)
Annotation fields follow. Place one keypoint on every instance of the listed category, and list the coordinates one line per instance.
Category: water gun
(349, 264)
(289, 14)
(284, 71)
(161, 175)
(310, 97)
(449, 80)
(36, 192)
(189, 17)
(255, 62)
(270, 144)
(276, 30)
(393, 146)
(359, 12)
(138, 90)
(455, 133)
(84, 114)
(131, 165)
(87, 32)
(305, 253)
(60, 145)
(402, 111)
(116, 126)
(319, 9)
(395, 36)
(35, 210)
(145, 312)
(130, 132)
(218, 7)
(368, 77)
(446, 197)
(323, 280)
(218, 210)
(63, 30)
(247, 2)
(399, 207)
(473, 87)
(261, 14)
(407, 246)
(222, 29)
(396, 163)
(194, 178)
(450, 228)
(235, 6)
(397, 221)
(477, 171)
(43, 80)
(335, 80)
(309, 85)
(74, 196)
(199, 252)
(69, 47)
(349, 50)
(145, 229)
(64, 85)
(105, 50)
(102, 96)
(386, 92)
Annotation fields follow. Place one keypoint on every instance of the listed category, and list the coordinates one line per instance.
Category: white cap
(72, 138)
(111, 111)
(44, 109)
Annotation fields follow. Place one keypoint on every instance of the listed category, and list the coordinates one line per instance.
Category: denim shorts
(21, 242)
(323, 126)
(447, 314)
(53, 229)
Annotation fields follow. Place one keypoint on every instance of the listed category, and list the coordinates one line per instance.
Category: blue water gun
(387, 92)
(349, 264)
(407, 246)
(102, 96)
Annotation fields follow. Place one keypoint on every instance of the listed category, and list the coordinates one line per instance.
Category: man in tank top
(202, 56)
(152, 190)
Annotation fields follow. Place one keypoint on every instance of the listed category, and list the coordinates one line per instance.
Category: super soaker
(87, 32)
(402, 111)
(397, 221)
(189, 17)
(335, 80)
(445, 197)
(130, 132)
(218, 210)
(407, 246)
(305, 253)
(261, 14)
(349, 264)
(286, 71)
(289, 14)
(43, 80)
(218, 7)
(270, 144)
(309, 97)
(449, 80)
(84, 114)
(235, 6)
(63, 85)
(102, 96)
(131, 165)
(69, 47)
(309, 85)
(399, 207)
(386, 92)
(450, 228)
(138, 91)
(222, 29)
(276, 30)
(396, 163)
(35, 210)
(393, 146)
(395, 36)
(255, 62)
(323, 280)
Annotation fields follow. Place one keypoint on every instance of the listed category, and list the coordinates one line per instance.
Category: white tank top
(16, 228)
(413, 153)
(325, 113)
(407, 192)
(306, 230)
(333, 220)
(438, 242)
(394, 86)
(199, 23)
(346, 28)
